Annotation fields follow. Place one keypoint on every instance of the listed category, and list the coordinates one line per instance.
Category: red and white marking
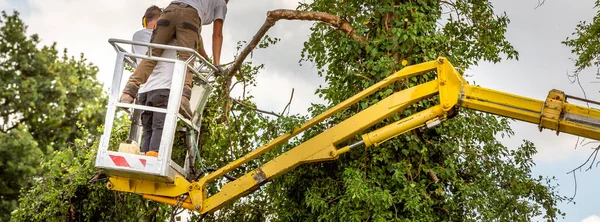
(128, 161)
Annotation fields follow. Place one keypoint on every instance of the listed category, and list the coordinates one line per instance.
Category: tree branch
(575, 77)
(8, 129)
(252, 108)
(448, 3)
(272, 18)
(434, 177)
(593, 154)
(276, 15)
(289, 103)
(231, 89)
(540, 3)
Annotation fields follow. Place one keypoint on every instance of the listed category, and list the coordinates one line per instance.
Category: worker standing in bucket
(182, 20)
(155, 92)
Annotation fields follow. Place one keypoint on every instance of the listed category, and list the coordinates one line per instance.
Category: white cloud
(291, 4)
(4, 5)
(86, 26)
(542, 64)
(273, 92)
(551, 148)
(593, 218)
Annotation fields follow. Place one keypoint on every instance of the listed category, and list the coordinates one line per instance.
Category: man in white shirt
(182, 19)
(155, 92)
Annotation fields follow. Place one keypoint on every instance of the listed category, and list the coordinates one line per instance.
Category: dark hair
(152, 13)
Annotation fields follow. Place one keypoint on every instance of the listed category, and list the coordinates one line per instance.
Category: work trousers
(153, 122)
(178, 21)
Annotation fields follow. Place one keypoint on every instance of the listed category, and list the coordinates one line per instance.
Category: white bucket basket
(160, 168)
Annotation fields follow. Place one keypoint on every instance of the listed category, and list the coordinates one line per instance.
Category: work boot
(184, 109)
(152, 153)
(126, 98)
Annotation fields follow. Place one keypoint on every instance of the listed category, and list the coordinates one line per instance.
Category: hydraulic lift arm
(554, 113)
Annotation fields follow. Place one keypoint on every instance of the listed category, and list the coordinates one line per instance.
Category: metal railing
(163, 168)
(194, 54)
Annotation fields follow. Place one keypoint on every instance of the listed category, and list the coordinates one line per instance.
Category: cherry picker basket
(161, 168)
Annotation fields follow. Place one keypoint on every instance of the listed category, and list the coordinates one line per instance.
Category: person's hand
(219, 71)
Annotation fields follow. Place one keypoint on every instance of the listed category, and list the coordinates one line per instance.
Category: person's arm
(217, 43)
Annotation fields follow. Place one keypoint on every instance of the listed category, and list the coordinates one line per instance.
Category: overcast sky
(84, 26)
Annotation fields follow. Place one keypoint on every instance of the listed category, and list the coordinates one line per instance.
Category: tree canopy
(585, 43)
(48, 101)
(53, 95)
(479, 178)
(476, 178)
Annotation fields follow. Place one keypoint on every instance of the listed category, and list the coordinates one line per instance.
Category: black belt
(184, 5)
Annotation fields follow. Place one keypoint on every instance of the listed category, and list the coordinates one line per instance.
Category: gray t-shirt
(208, 10)
(163, 71)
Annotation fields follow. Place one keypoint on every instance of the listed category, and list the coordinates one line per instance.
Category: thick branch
(252, 108)
(433, 176)
(272, 18)
(276, 15)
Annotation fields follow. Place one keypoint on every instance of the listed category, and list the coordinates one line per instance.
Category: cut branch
(253, 108)
(276, 15)
(272, 18)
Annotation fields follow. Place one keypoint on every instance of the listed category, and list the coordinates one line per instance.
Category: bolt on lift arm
(554, 113)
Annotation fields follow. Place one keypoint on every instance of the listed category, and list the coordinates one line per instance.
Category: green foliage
(585, 43)
(48, 101)
(225, 140)
(19, 157)
(479, 178)
(72, 189)
(52, 95)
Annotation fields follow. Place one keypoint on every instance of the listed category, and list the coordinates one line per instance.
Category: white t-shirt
(208, 10)
(163, 71)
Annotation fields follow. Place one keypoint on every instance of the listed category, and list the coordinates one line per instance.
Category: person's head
(151, 16)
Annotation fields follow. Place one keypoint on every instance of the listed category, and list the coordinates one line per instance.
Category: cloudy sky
(84, 26)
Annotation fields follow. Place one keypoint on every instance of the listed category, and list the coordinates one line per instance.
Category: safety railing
(160, 168)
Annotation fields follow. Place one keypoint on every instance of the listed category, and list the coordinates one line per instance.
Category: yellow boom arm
(554, 113)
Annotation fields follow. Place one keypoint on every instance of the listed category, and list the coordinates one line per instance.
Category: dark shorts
(153, 122)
